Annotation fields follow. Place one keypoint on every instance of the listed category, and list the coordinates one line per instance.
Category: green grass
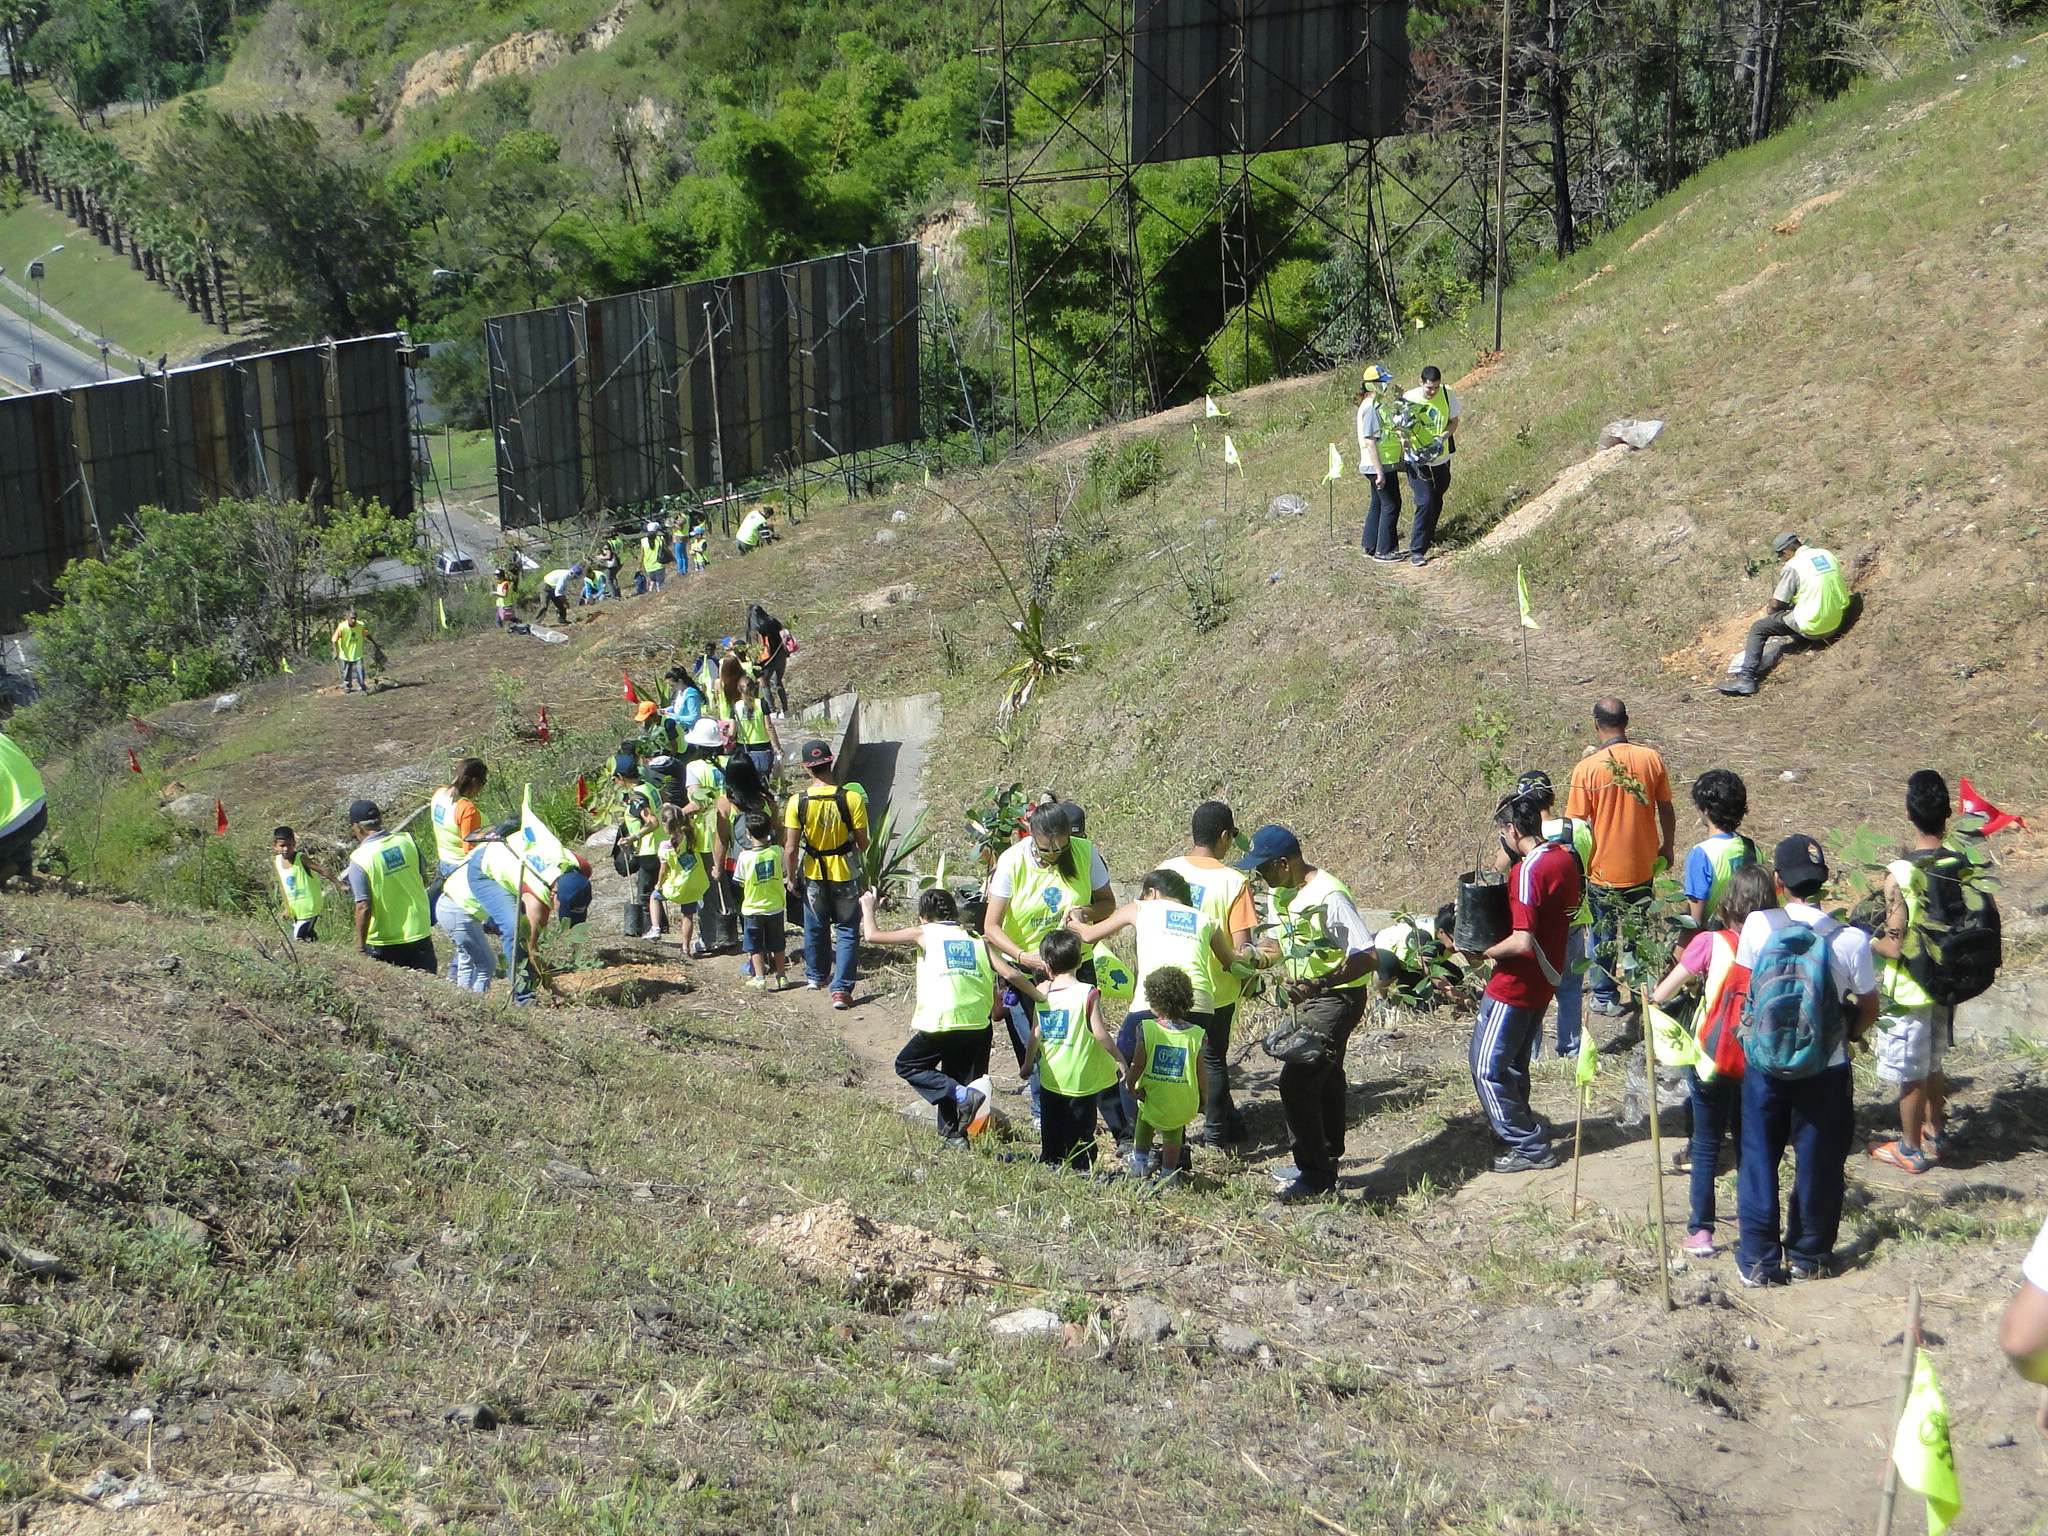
(90, 284)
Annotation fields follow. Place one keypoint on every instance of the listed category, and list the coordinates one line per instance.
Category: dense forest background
(337, 166)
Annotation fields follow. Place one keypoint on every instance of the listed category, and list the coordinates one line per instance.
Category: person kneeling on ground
(1075, 1058)
(1167, 1074)
(956, 996)
(1808, 603)
(1414, 966)
(1543, 892)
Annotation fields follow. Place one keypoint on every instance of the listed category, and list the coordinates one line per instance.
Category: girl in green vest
(1166, 1074)
(1075, 1058)
(955, 1000)
(753, 732)
(684, 875)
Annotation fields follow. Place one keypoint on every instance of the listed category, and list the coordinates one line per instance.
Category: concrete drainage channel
(889, 739)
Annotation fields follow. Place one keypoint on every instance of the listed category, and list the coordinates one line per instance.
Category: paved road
(64, 367)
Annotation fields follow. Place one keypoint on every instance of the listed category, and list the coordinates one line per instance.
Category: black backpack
(1961, 938)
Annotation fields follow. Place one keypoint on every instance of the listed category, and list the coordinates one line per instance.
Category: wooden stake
(1656, 1156)
(1890, 1496)
(1578, 1142)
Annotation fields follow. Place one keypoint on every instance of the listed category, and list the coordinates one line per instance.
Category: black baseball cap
(816, 754)
(364, 813)
(1800, 864)
(1270, 842)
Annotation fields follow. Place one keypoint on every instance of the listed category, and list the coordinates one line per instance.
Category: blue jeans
(1609, 902)
(1817, 1116)
(1427, 483)
(475, 960)
(1383, 517)
(1571, 993)
(1716, 1108)
(352, 676)
(831, 906)
(1023, 1024)
(1502, 1044)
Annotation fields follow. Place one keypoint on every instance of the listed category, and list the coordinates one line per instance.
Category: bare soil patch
(885, 1265)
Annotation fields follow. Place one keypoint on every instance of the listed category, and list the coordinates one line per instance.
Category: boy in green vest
(1167, 1074)
(1723, 800)
(298, 877)
(1075, 1057)
(763, 895)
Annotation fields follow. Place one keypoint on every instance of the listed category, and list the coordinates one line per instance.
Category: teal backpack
(1795, 1020)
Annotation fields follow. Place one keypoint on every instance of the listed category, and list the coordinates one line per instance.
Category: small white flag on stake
(1336, 464)
(1230, 453)
(1215, 410)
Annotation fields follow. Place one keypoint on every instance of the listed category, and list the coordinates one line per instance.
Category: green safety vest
(494, 862)
(1039, 898)
(1309, 931)
(1389, 439)
(1896, 980)
(1071, 1061)
(1171, 934)
(752, 724)
(1215, 892)
(303, 897)
(955, 984)
(759, 872)
(684, 875)
(1823, 595)
(448, 843)
(555, 581)
(390, 861)
(1725, 855)
(750, 530)
(1173, 1092)
(1429, 420)
(1403, 941)
(703, 783)
(348, 641)
(1117, 982)
(643, 824)
(650, 553)
(21, 787)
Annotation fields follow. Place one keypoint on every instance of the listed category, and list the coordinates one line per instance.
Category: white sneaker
(654, 933)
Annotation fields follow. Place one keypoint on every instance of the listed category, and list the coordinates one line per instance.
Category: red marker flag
(631, 696)
(220, 818)
(544, 734)
(582, 791)
(137, 726)
(1995, 820)
(133, 766)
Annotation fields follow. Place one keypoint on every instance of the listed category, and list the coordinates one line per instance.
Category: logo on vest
(1170, 1062)
(1053, 898)
(959, 955)
(394, 858)
(1182, 922)
(1053, 1024)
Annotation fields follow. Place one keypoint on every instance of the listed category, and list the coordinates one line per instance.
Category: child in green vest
(1167, 1074)
(682, 876)
(298, 877)
(763, 893)
(1723, 801)
(1075, 1057)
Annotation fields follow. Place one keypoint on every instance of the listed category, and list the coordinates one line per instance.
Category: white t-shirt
(1446, 397)
(1849, 956)
(1098, 875)
(2034, 1267)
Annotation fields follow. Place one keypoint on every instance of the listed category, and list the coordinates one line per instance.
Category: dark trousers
(1716, 1110)
(1761, 633)
(1067, 1129)
(1219, 1115)
(1383, 516)
(416, 956)
(17, 848)
(1502, 1043)
(936, 1064)
(1312, 1093)
(773, 685)
(561, 606)
(1610, 904)
(1427, 483)
(1119, 1104)
(1817, 1117)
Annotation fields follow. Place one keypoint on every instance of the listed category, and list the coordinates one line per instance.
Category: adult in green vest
(1433, 415)
(23, 811)
(554, 589)
(351, 638)
(1031, 889)
(1324, 948)
(298, 881)
(387, 877)
(1380, 450)
(491, 890)
(1809, 603)
(1224, 895)
(653, 566)
(756, 528)
(455, 816)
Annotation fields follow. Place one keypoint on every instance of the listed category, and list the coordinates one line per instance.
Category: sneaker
(1603, 1007)
(813, 986)
(756, 983)
(1418, 559)
(1288, 1175)
(1681, 1160)
(970, 1101)
(1700, 1244)
(655, 933)
(1933, 1146)
(1300, 1192)
(1527, 1162)
(1799, 1274)
(1169, 1178)
(956, 1144)
(841, 1001)
(1390, 558)
(1139, 1165)
(1757, 1279)
(1899, 1155)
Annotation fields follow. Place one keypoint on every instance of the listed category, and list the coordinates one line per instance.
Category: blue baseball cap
(1270, 842)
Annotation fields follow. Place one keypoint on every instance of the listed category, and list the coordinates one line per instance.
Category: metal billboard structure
(616, 402)
(315, 423)
(1171, 82)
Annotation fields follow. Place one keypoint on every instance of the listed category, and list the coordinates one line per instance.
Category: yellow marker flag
(1336, 464)
(1589, 1057)
(1522, 591)
(284, 666)
(1214, 409)
(442, 608)
(1230, 453)
(1921, 1449)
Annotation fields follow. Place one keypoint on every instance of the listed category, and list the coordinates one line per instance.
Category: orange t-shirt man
(1629, 833)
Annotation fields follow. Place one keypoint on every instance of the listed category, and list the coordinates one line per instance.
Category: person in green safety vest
(1381, 426)
(387, 877)
(1433, 410)
(756, 528)
(764, 903)
(1415, 965)
(1809, 603)
(653, 570)
(298, 879)
(1166, 1075)
(1224, 894)
(351, 638)
(24, 812)
(1722, 800)
(1325, 950)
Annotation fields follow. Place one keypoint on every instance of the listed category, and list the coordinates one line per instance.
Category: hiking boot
(841, 1001)
(1739, 685)
(1527, 1162)
(1700, 1244)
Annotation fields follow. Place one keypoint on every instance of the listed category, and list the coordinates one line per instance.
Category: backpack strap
(839, 799)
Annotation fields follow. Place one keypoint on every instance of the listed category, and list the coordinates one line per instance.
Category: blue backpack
(1795, 1020)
